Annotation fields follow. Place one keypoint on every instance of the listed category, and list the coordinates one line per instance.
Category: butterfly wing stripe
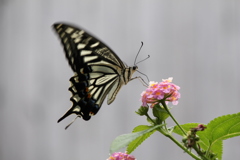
(96, 75)
(85, 52)
(104, 80)
(95, 44)
(114, 91)
(81, 46)
(87, 59)
(103, 69)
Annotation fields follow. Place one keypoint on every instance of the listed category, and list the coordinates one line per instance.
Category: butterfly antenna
(143, 59)
(138, 53)
(135, 63)
(71, 123)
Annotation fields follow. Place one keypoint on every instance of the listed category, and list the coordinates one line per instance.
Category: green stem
(150, 118)
(199, 152)
(181, 146)
(166, 108)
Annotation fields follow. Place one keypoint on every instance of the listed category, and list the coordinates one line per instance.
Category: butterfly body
(98, 71)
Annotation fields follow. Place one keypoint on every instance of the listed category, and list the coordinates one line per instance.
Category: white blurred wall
(196, 42)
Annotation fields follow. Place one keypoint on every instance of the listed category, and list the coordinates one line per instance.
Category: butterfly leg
(144, 83)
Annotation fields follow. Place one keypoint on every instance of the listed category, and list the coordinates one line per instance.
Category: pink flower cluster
(121, 156)
(162, 90)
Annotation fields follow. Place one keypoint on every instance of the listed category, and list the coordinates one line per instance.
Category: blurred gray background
(195, 42)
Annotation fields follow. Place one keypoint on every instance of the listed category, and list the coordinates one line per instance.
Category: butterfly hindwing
(98, 71)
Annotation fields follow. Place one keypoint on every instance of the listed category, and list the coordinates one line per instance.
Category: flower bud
(142, 111)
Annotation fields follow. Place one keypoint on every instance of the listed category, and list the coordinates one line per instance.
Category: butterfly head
(135, 68)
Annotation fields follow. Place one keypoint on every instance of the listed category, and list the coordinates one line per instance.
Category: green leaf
(123, 140)
(160, 112)
(222, 128)
(134, 144)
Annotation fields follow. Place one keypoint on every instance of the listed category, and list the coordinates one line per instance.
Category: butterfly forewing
(98, 71)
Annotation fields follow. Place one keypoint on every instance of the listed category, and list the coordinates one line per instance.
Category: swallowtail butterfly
(98, 71)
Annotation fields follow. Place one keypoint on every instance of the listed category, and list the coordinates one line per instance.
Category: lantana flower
(121, 156)
(159, 91)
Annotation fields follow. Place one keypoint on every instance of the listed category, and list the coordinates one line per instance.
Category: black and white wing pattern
(98, 71)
